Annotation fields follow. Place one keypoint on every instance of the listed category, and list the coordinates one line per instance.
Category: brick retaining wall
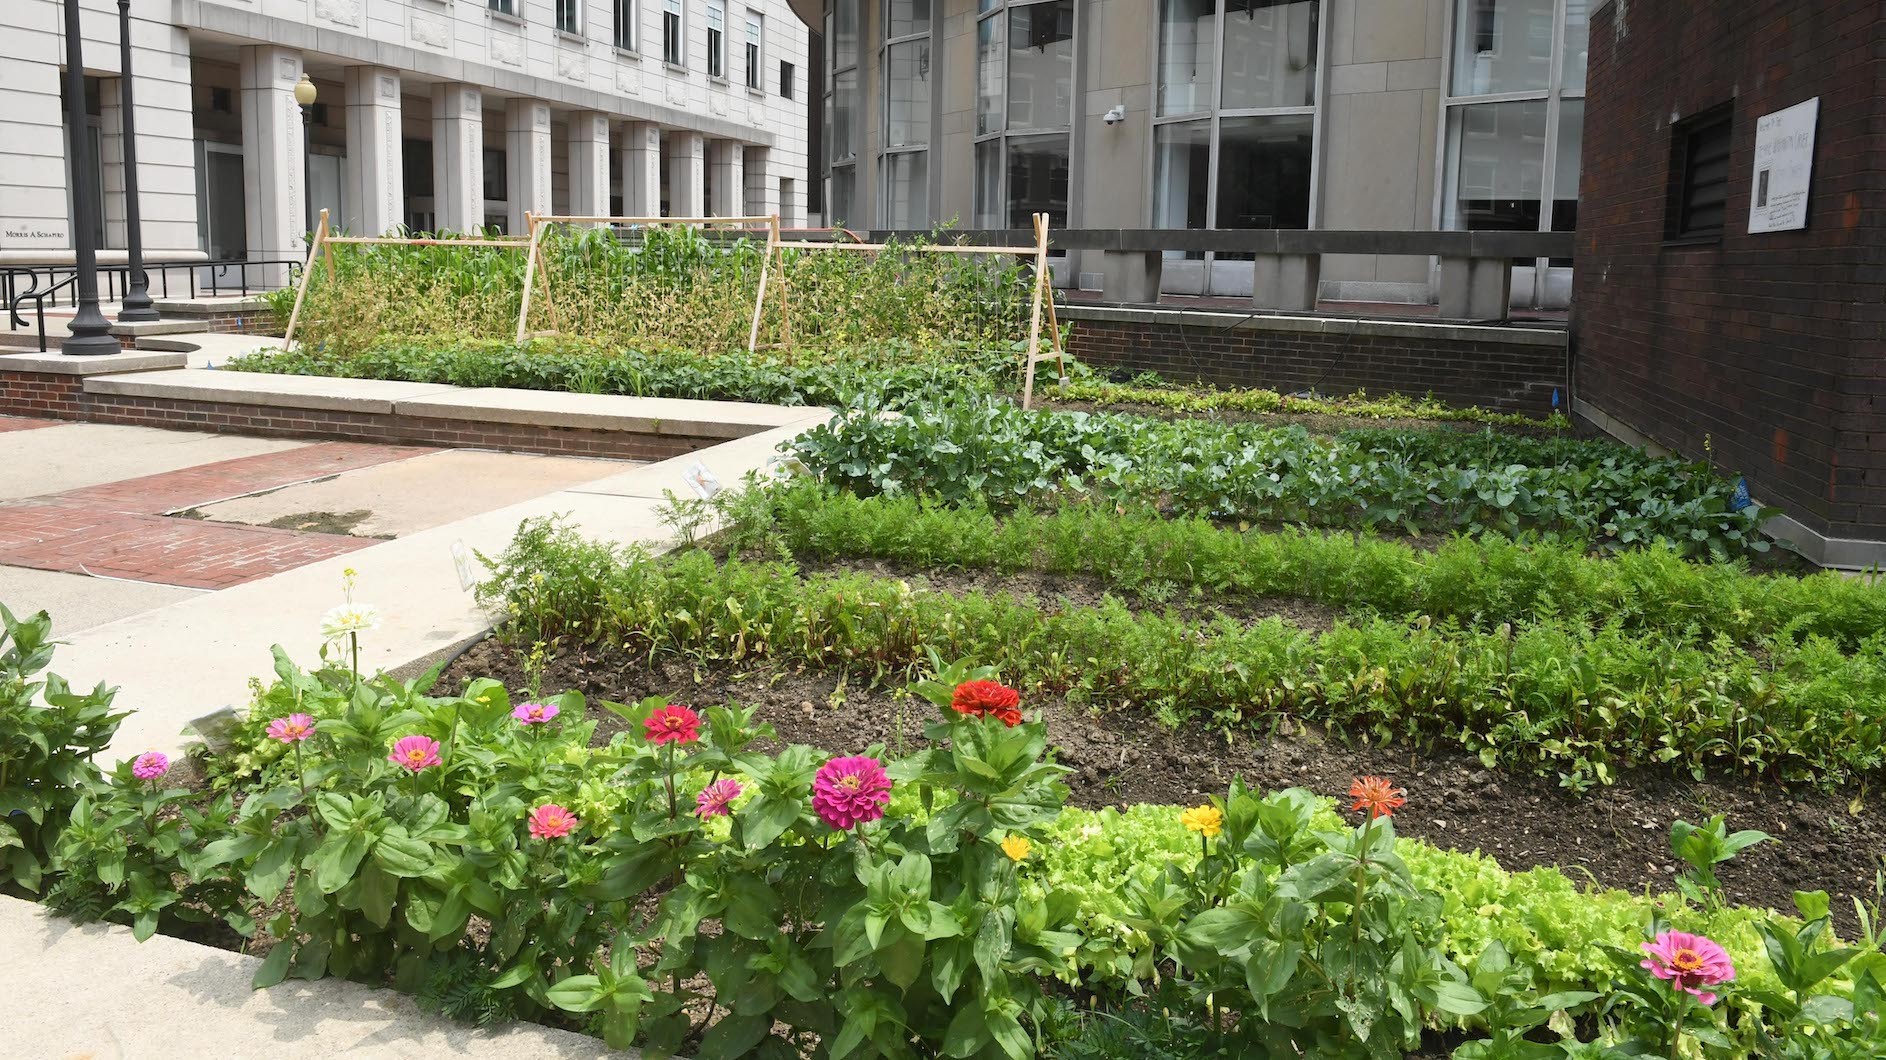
(63, 397)
(1517, 372)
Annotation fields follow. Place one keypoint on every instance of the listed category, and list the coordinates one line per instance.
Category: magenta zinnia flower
(850, 791)
(292, 729)
(673, 723)
(551, 821)
(414, 753)
(150, 765)
(534, 713)
(713, 799)
(1689, 962)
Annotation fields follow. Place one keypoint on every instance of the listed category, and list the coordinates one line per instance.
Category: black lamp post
(304, 95)
(137, 299)
(91, 332)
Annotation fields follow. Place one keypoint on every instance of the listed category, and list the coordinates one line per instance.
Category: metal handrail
(117, 278)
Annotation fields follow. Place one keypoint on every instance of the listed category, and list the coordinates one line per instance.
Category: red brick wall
(1510, 377)
(62, 397)
(1771, 346)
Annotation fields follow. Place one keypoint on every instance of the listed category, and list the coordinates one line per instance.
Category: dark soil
(325, 522)
(1618, 836)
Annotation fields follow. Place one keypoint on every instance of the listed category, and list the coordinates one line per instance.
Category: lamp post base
(137, 305)
(90, 339)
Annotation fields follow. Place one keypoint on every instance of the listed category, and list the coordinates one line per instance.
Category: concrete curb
(94, 991)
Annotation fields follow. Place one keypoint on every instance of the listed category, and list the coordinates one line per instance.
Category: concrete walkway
(94, 992)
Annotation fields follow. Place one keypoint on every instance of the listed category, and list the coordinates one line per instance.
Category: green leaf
(274, 967)
(734, 1036)
(578, 993)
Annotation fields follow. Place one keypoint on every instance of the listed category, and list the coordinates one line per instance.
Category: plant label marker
(461, 560)
(702, 481)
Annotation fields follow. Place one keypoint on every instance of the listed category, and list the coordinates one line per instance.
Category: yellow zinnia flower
(1206, 820)
(1016, 847)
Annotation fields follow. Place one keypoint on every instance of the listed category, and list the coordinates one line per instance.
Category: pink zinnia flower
(150, 765)
(534, 713)
(1689, 962)
(850, 791)
(713, 799)
(292, 729)
(673, 723)
(414, 753)
(551, 821)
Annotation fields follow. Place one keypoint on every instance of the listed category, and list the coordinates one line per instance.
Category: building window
(716, 38)
(495, 187)
(755, 34)
(503, 7)
(786, 73)
(1699, 176)
(673, 50)
(906, 65)
(1234, 128)
(1024, 111)
(841, 109)
(1514, 114)
(568, 17)
(625, 25)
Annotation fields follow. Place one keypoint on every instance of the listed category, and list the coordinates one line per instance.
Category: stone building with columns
(429, 114)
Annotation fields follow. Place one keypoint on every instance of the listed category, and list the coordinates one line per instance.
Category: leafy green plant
(49, 735)
(1702, 848)
(1149, 389)
(1513, 1013)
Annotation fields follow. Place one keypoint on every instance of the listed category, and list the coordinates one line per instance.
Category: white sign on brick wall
(1784, 163)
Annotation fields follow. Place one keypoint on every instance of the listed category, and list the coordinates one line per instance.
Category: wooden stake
(1034, 314)
(766, 272)
(530, 272)
(307, 273)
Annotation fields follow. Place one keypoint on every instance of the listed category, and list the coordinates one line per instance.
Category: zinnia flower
(850, 791)
(1689, 963)
(988, 699)
(414, 753)
(1206, 820)
(673, 723)
(551, 821)
(534, 713)
(1377, 795)
(714, 798)
(292, 729)
(1016, 847)
(342, 619)
(150, 765)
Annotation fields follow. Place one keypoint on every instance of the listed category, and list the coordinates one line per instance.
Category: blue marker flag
(1741, 499)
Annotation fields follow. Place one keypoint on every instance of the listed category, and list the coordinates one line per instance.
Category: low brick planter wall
(1508, 369)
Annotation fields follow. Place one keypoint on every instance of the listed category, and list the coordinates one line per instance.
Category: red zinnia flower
(673, 723)
(1377, 795)
(988, 698)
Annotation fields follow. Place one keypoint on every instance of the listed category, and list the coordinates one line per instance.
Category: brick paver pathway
(118, 529)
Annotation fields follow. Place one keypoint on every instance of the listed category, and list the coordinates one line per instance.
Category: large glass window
(1024, 111)
(907, 101)
(756, 35)
(673, 51)
(841, 110)
(716, 38)
(625, 25)
(1232, 141)
(1515, 119)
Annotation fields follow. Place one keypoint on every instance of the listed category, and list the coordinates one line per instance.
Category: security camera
(1115, 115)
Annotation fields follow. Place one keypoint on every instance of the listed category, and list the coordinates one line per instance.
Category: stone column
(458, 158)
(729, 181)
(685, 174)
(276, 205)
(526, 161)
(589, 163)
(762, 191)
(641, 169)
(376, 174)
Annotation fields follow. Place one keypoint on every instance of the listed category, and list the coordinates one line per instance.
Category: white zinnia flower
(343, 619)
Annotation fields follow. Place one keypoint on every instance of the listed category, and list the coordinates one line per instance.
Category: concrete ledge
(94, 991)
(605, 412)
(139, 328)
(1409, 329)
(376, 396)
(1838, 553)
(211, 306)
(108, 364)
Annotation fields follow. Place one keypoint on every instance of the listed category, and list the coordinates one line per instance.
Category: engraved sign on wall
(1784, 164)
